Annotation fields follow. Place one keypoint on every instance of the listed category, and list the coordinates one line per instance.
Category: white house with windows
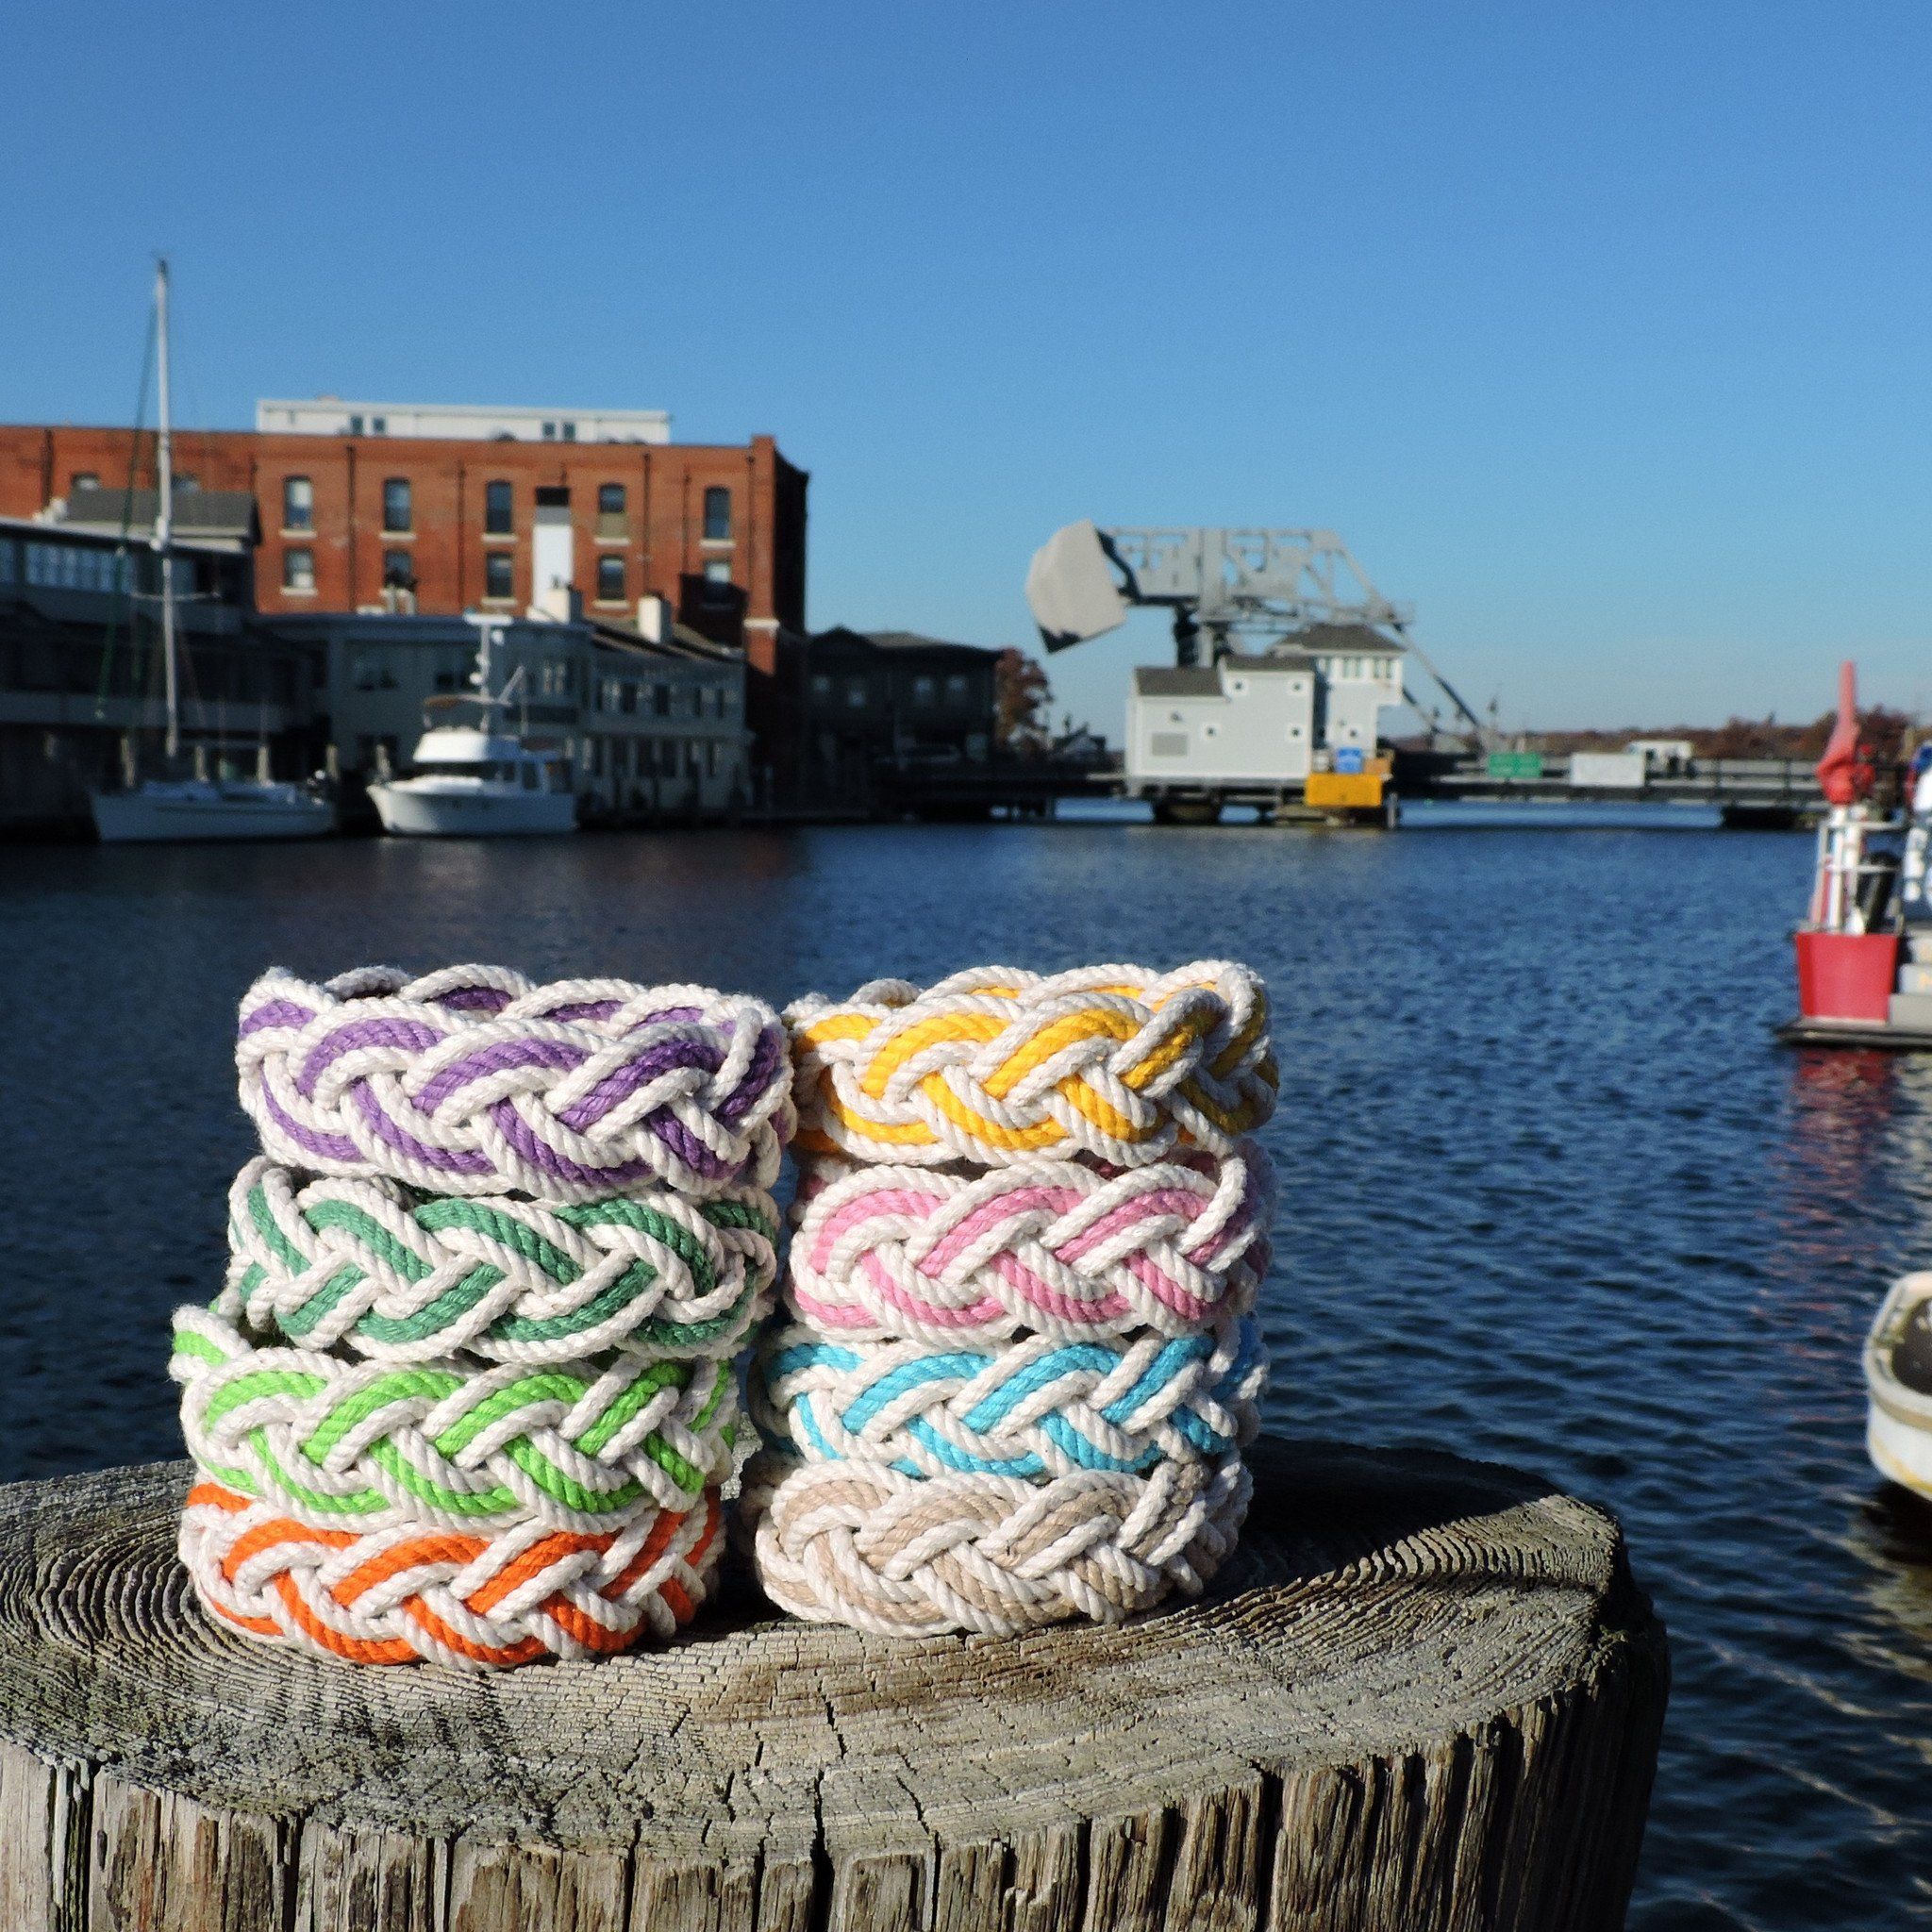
(1261, 719)
(472, 421)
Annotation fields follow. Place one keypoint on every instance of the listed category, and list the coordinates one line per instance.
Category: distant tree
(1023, 697)
(1884, 732)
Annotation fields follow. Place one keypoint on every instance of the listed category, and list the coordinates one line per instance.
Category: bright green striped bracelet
(363, 1445)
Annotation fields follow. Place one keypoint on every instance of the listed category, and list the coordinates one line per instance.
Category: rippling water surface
(1550, 1196)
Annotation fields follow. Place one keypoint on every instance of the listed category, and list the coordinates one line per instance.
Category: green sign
(1507, 765)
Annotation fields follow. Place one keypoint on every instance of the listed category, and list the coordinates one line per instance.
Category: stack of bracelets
(1016, 1361)
(470, 1392)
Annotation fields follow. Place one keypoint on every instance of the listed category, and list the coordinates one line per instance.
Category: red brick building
(445, 523)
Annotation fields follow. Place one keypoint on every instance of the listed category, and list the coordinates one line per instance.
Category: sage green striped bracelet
(375, 1268)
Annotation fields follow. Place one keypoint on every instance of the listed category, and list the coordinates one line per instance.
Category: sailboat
(480, 780)
(161, 808)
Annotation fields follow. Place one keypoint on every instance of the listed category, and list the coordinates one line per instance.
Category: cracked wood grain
(1426, 1696)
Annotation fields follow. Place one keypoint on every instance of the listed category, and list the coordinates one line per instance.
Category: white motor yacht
(469, 784)
(477, 781)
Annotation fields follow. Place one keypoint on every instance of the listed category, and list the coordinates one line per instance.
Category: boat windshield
(494, 770)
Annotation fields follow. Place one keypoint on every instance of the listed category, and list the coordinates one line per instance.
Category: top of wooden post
(1392, 1609)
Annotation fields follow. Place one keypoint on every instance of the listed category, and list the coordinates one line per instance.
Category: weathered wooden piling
(1427, 1694)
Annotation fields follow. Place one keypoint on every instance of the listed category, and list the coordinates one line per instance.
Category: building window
(610, 580)
(854, 693)
(550, 432)
(821, 685)
(298, 503)
(718, 585)
(612, 524)
(660, 700)
(398, 510)
(497, 578)
(85, 479)
(76, 567)
(924, 692)
(570, 432)
(498, 516)
(717, 514)
(378, 425)
(398, 571)
(373, 669)
(627, 696)
(298, 571)
(355, 426)
(955, 687)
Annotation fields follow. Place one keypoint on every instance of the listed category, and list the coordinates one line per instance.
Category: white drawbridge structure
(1287, 656)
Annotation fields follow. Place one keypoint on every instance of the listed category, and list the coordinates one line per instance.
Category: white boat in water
(170, 808)
(151, 810)
(1898, 1383)
(481, 780)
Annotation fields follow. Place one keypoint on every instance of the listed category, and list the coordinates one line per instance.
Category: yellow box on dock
(1353, 790)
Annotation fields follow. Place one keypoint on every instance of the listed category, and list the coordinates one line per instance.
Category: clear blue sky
(1603, 333)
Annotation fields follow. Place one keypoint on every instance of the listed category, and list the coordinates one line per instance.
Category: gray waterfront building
(1262, 718)
(654, 725)
(654, 728)
(80, 672)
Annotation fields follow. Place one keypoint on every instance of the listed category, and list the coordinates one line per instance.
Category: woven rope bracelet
(1056, 1247)
(996, 1065)
(474, 1600)
(345, 1445)
(476, 1081)
(380, 1269)
(1032, 1409)
(856, 1543)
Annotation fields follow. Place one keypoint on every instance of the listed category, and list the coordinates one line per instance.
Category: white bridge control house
(1252, 723)
(1258, 718)
(1286, 657)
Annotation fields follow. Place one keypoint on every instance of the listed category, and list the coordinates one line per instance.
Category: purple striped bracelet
(476, 1080)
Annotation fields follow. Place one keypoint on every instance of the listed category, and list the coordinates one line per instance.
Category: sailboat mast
(165, 512)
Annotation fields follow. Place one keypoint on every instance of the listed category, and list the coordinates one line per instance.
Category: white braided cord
(995, 1065)
(476, 1081)
(336, 1442)
(852, 1542)
(1057, 1247)
(405, 1594)
(1033, 1406)
(385, 1272)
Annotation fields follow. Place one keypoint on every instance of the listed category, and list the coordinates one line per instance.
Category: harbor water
(1550, 1196)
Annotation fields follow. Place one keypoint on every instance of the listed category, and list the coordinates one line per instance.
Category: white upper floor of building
(332, 416)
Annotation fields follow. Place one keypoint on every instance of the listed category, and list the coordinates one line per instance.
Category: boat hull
(138, 818)
(409, 813)
(1901, 1454)
(1846, 975)
(1867, 1033)
(1898, 1420)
